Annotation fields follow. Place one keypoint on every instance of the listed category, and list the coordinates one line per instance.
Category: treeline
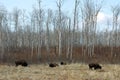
(41, 31)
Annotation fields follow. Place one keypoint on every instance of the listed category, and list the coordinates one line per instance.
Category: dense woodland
(51, 35)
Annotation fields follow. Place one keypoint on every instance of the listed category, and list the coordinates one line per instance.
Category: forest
(49, 35)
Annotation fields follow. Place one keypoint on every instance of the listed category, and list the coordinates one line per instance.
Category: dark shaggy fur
(63, 63)
(94, 66)
(53, 65)
(21, 62)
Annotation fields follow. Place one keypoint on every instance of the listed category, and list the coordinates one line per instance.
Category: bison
(53, 65)
(63, 63)
(21, 62)
(94, 66)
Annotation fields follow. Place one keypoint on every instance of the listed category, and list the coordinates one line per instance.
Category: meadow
(76, 71)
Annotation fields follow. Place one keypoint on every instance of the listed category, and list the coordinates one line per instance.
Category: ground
(67, 72)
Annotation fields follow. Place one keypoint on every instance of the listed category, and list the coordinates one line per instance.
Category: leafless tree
(90, 11)
(59, 5)
(48, 22)
(3, 25)
(16, 16)
(76, 15)
(114, 36)
(39, 18)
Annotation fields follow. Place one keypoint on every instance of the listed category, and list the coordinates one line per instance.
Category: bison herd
(23, 63)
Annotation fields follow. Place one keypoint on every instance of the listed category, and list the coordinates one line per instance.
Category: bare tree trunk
(90, 11)
(69, 40)
(59, 5)
(39, 15)
(49, 18)
(116, 13)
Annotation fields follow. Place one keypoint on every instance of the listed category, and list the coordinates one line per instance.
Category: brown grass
(67, 72)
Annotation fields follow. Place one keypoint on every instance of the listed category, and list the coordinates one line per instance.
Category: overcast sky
(67, 7)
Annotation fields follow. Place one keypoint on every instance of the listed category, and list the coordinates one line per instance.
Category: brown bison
(63, 63)
(53, 65)
(21, 62)
(94, 66)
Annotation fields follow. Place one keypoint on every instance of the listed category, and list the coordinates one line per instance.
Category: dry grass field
(63, 72)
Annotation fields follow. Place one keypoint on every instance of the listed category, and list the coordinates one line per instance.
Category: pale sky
(68, 4)
(67, 7)
(28, 4)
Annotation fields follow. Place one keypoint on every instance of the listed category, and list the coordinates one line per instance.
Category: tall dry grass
(67, 72)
